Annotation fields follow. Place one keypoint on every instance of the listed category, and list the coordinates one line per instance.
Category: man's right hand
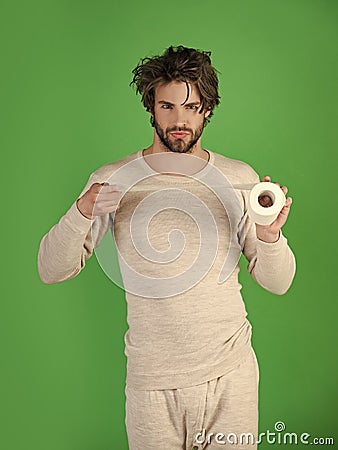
(100, 199)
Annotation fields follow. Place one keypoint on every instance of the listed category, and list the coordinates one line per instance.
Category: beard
(178, 145)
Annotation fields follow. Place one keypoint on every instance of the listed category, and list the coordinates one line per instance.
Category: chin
(181, 150)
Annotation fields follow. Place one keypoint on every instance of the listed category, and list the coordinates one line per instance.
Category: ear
(206, 114)
(152, 118)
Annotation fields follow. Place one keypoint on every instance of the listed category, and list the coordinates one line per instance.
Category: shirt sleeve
(271, 265)
(65, 248)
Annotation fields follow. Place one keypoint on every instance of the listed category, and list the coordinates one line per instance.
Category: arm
(66, 247)
(271, 261)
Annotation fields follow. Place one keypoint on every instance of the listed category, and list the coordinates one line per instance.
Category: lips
(179, 135)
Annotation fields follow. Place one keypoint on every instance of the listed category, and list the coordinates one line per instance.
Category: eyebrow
(186, 104)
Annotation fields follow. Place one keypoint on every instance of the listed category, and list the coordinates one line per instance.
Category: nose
(180, 118)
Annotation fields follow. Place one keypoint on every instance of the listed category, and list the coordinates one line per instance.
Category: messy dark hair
(178, 64)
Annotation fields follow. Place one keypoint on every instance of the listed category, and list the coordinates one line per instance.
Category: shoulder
(237, 171)
(106, 171)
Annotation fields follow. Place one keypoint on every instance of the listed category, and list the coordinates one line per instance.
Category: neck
(174, 163)
(158, 147)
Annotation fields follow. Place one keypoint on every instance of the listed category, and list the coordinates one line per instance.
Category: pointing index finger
(108, 188)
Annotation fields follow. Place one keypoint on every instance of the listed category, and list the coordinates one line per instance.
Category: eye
(166, 106)
(192, 107)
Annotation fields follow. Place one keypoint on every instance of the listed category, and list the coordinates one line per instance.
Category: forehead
(176, 92)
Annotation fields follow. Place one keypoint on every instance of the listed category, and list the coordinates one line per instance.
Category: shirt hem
(187, 379)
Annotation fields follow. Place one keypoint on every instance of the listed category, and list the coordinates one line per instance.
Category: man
(192, 375)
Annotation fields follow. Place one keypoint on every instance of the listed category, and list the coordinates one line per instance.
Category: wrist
(269, 238)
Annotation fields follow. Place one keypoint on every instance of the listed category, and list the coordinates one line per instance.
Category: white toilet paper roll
(265, 215)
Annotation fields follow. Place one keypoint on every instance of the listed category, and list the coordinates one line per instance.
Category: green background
(67, 109)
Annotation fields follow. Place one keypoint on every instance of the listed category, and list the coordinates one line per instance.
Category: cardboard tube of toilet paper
(265, 215)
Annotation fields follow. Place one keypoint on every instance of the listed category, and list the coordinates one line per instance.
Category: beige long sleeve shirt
(186, 316)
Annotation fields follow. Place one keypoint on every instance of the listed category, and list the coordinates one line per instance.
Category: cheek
(160, 116)
(198, 120)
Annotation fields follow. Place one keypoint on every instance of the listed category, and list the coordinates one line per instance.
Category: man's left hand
(270, 233)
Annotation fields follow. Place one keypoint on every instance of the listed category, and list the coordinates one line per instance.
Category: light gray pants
(211, 415)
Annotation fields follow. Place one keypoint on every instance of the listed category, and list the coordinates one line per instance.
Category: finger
(112, 196)
(109, 194)
(105, 184)
(284, 213)
(288, 202)
(286, 207)
(282, 216)
(106, 205)
(284, 189)
(105, 187)
(108, 201)
(96, 187)
(101, 210)
(266, 178)
(109, 191)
